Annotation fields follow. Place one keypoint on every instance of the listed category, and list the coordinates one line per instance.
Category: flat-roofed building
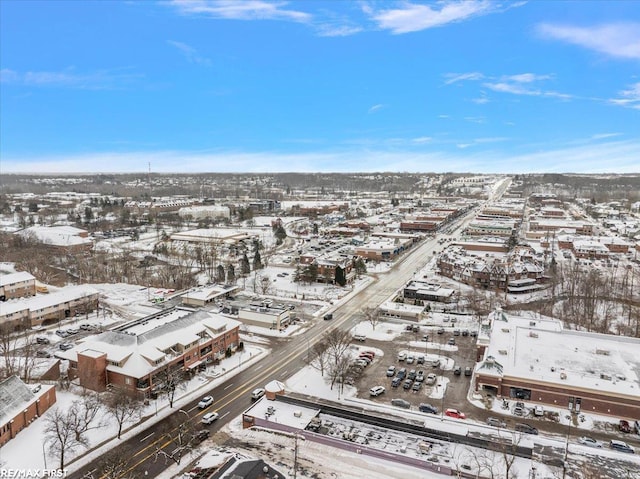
(538, 360)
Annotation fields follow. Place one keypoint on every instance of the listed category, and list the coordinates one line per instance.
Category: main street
(232, 397)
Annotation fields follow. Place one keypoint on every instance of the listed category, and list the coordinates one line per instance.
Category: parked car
(412, 375)
(457, 371)
(210, 417)
(205, 402)
(417, 385)
(621, 446)
(519, 411)
(328, 316)
(407, 384)
(359, 337)
(455, 413)
(435, 363)
(420, 359)
(41, 353)
(391, 371)
(202, 435)
(456, 332)
(402, 355)
(410, 359)
(402, 373)
(465, 332)
(431, 379)
(420, 376)
(624, 426)
(526, 428)
(440, 331)
(495, 422)
(62, 333)
(376, 391)
(42, 340)
(589, 441)
(428, 408)
(468, 371)
(257, 394)
(451, 342)
(473, 334)
(401, 403)
(395, 382)
(65, 346)
(538, 411)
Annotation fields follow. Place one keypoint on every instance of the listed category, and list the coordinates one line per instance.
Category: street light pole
(44, 455)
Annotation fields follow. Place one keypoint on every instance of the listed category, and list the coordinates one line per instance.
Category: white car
(205, 402)
(589, 441)
(376, 390)
(431, 379)
(257, 394)
(210, 417)
(402, 355)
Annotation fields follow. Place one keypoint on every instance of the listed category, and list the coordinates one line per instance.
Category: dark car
(621, 446)
(328, 316)
(202, 435)
(457, 371)
(468, 371)
(526, 428)
(407, 384)
(395, 382)
(42, 340)
(428, 408)
(402, 373)
(416, 386)
(412, 374)
(624, 426)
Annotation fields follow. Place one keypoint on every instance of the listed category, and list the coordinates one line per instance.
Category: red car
(624, 426)
(455, 413)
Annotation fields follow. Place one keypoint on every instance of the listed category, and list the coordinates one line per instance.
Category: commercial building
(138, 356)
(538, 360)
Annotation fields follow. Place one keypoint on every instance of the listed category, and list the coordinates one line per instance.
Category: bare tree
(114, 465)
(372, 315)
(181, 435)
(319, 357)
(60, 435)
(123, 407)
(169, 380)
(83, 416)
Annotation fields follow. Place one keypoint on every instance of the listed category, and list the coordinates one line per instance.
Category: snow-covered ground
(18, 453)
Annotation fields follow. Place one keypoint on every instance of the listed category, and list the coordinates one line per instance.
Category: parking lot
(421, 357)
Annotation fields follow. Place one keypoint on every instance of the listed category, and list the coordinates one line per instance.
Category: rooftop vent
(603, 352)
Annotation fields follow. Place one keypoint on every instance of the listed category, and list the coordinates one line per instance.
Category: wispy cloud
(413, 17)
(585, 158)
(620, 40)
(456, 77)
(602, 136)
(421, 140)
(629, 97)
(190, 53)
(525, 84)
(476, 119)
(70, 78)
(240, 10)
(334, 30)
(375, 108)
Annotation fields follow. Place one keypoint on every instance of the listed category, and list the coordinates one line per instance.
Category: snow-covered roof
(542, 350)
(15, 396)
(57, 235)
(13, 278)
(137, 355)
(280, 412)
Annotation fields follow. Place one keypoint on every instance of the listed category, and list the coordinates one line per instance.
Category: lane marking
(147, 437)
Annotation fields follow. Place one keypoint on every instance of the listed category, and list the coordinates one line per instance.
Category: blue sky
(346, 86)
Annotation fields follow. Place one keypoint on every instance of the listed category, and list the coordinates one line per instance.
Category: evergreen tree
(245, 268)
(340, 276)
(257, 261)
(220, 274)
(231, 274)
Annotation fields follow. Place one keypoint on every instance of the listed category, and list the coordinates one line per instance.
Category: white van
(257, 394)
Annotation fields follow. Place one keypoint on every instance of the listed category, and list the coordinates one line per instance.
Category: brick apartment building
(136, 357)
(20, 405)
